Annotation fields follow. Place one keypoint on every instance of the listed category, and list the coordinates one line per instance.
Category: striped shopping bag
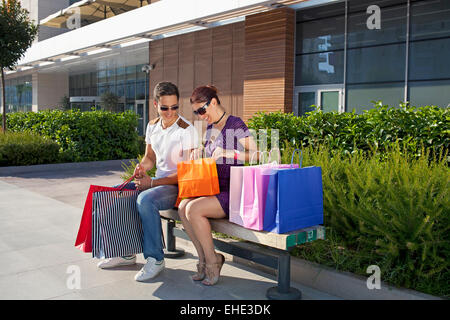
(116, 224)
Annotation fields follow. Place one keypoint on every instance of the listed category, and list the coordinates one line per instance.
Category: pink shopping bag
(236, 195)
(248, 194)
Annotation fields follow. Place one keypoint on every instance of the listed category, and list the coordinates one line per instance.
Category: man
(169, 139)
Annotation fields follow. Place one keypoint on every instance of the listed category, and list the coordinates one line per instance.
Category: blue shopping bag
(294, 199)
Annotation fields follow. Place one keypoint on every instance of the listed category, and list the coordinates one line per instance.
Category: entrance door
(329, 98)
(141, 111)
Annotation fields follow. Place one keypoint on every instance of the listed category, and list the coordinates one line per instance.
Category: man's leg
(149, 203)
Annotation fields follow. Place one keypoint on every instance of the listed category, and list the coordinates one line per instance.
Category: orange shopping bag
(197, 178)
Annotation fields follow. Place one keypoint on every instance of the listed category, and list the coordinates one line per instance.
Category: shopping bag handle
(300, 158)
(194, 152)
(123, 185)
(279, 154)
(256, 152)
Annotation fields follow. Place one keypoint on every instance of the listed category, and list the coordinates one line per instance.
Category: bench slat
(279, 241)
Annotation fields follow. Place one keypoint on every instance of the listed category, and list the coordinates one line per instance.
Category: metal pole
(408, 22)
(344, 93)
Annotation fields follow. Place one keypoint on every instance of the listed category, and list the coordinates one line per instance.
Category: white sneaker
(150, 270)
(116, 262)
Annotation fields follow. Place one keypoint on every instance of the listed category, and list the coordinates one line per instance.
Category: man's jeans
(149, 202)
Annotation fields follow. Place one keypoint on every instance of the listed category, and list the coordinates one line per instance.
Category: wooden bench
(272, 249)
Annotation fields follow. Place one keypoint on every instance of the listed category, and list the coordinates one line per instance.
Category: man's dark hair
(165, 88)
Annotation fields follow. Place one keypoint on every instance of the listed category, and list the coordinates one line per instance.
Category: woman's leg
(188, 228)
(197, 213)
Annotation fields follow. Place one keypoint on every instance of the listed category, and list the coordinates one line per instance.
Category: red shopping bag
(84, 237)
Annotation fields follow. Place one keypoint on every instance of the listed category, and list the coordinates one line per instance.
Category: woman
(230, 143)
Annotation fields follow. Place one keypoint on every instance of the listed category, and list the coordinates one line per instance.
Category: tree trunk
(4, 102)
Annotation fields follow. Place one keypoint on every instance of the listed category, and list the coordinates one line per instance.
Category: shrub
(377, 129)
(388, 211)
(83, 136)
(129, 169)
(18, 149)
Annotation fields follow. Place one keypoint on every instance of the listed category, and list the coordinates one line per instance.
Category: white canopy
(151, 22)
(90, 11)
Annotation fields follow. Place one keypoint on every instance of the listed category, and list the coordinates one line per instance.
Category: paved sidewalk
(40, 211)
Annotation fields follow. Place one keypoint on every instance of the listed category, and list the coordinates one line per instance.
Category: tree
(110, 101)
(17, 33)
(64, 103)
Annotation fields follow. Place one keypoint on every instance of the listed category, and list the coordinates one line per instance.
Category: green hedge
(376, 129)
(83, 136)
(391, 211)
(21, 148)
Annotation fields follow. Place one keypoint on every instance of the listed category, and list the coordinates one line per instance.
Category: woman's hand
(143, 183)
(195, 154)
(222, 153)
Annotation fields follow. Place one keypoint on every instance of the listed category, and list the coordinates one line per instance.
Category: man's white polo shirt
(169, 142)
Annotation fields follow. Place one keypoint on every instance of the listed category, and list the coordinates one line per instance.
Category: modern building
(262, 55)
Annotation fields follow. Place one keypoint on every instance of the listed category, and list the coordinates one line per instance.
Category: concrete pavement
(40, 211)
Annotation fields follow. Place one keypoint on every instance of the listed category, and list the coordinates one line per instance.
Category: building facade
(261, 55)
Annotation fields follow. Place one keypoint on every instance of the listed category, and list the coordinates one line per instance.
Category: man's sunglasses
(202, 110)
(167, 108)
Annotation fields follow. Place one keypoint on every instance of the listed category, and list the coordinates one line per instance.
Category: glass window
(129, 107)
(321, 12)
(102, 77)
(430, 19)
(321, 35)
(306, 100)
(140, 90)
(329, 101)
(131, 72)
(120, 74)
(362, 5)
(93, 91)
(130, 91)
(120, 89)
(102, 89)
(320, 68)
(139, 74)
(18, 94)
(393, 28)
(360, 97)
(85, 80)
(376, 64)
(425, 93)
(429, 59)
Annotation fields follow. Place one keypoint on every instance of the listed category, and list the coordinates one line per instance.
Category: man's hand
(139, 171)
(143, 183)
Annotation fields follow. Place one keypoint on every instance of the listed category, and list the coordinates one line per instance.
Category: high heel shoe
(213, 271)
(200, 275)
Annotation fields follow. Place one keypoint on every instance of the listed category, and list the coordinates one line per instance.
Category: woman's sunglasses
(202, 110)
(167, 108)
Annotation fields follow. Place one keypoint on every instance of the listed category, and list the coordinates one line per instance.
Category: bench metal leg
(284, 291)
(170, 251)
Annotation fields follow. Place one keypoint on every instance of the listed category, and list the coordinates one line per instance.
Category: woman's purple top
(234, 130)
